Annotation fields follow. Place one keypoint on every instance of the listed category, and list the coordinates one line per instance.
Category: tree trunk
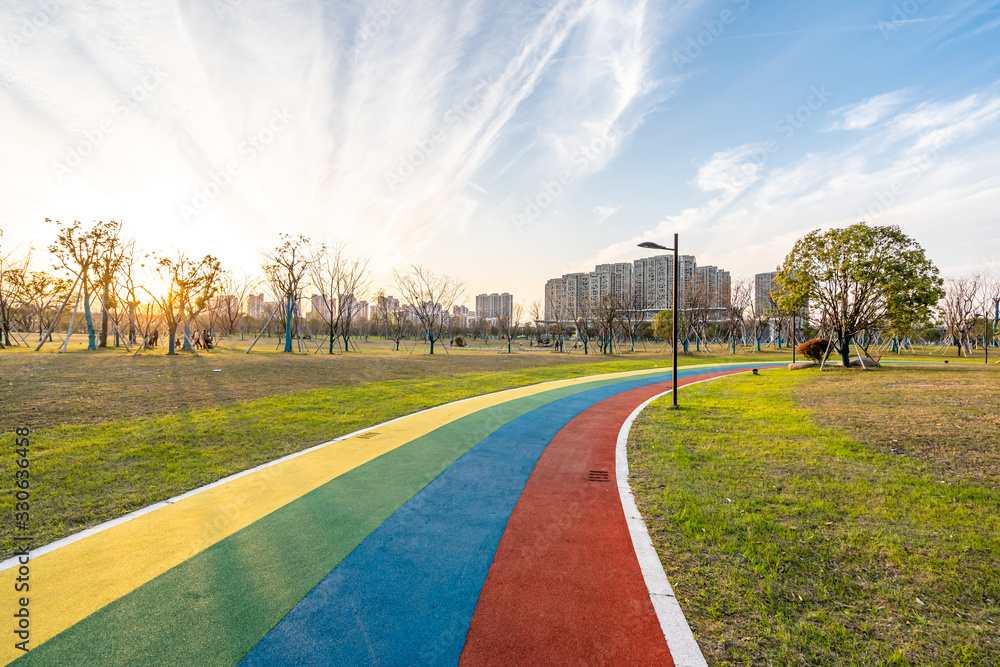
(430, 337)
(845, 349)
(171, 340)
(91, 334)
(288, 323)
(104, 318)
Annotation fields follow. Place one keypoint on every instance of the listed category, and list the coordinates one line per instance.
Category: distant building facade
(492, 306)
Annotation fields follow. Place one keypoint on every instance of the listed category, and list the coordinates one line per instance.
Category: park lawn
(843, 518)
(46, 389)
(97, 462)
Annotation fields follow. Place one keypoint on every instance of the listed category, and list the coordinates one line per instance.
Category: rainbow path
(494, 530)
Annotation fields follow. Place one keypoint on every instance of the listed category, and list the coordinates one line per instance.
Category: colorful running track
(487, 531)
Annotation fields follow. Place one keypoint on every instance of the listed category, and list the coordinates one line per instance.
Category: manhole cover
(599, 476)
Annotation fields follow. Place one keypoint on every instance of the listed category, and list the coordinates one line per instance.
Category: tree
(80, 251)
(41, 293)
(229, 308)
(112, 252)
(509, 325)
(342, 282)
(286, 268)
(13, 275)
(631, 314)
(429, 297)
(957, 309)
(858, 277)
(191, 285)
(663, 325)
(742, 298)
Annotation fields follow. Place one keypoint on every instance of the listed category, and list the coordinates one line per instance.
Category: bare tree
(957, 310)
(286, 268)
(606, 314)
(107, 263)
(191, 285)
(741, 302)
(429, 297)
(989, 305)
(699, 301)
(13, 274)
(631, 313)
(229, 307)
(342, 282)
(510, 325)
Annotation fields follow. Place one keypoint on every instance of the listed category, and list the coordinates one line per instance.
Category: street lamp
(673, 344)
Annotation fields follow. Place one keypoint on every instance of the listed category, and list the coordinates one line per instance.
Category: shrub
(814, 349)
(459, 341)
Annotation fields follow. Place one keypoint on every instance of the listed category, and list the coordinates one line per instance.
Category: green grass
(95, 459)
(801, 521)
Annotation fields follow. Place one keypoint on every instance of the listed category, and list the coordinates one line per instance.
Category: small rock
(799, 365)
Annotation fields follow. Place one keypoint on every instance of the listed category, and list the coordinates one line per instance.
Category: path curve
(483, 532)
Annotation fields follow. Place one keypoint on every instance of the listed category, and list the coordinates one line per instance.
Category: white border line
(101, 527)
(680, 640)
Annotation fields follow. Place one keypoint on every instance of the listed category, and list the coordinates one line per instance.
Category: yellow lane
(73, 581)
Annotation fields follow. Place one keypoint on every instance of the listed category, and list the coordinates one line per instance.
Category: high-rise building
(763, 283)
(647, 283)
(256, 308)
(492, 306)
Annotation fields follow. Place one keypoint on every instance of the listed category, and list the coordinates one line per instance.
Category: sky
(506, 143)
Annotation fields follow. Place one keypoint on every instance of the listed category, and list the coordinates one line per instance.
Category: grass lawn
(843, 518)
(114, 433)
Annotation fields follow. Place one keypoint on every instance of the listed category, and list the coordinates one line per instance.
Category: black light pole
(673, 344)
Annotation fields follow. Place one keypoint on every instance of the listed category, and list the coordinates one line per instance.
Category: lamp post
(673, 343)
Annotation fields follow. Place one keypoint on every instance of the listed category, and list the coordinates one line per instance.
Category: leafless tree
(699, 301)
(510, 325)
(741, 302)
(286, 269)
(229, 308)
(631, 314)
(957, 308)
(13, 274)
(429, 297)
(342, 282)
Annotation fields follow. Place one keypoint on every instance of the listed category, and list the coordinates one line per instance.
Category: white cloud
(605, 212)
(934, 170)
(869, 112)
(394, 116)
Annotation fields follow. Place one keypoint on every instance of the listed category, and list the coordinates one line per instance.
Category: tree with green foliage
(858, 278)
(663, 325)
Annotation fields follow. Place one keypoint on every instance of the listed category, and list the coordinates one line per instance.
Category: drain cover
(369, 434)
(599, 476)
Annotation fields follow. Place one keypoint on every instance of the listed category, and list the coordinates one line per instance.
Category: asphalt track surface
(488, 531)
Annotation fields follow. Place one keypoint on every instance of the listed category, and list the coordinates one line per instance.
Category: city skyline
(467, 138)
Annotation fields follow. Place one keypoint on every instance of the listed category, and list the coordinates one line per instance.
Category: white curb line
(680, 640)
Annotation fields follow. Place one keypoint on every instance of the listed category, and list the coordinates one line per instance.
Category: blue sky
(504, 143)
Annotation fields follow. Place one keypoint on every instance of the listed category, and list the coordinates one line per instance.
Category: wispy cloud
(395, 111)
(932, 169)
(865, 114)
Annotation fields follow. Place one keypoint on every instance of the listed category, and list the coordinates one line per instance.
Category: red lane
(565, 586)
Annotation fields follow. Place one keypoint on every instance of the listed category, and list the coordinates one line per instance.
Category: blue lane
(406, 594)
